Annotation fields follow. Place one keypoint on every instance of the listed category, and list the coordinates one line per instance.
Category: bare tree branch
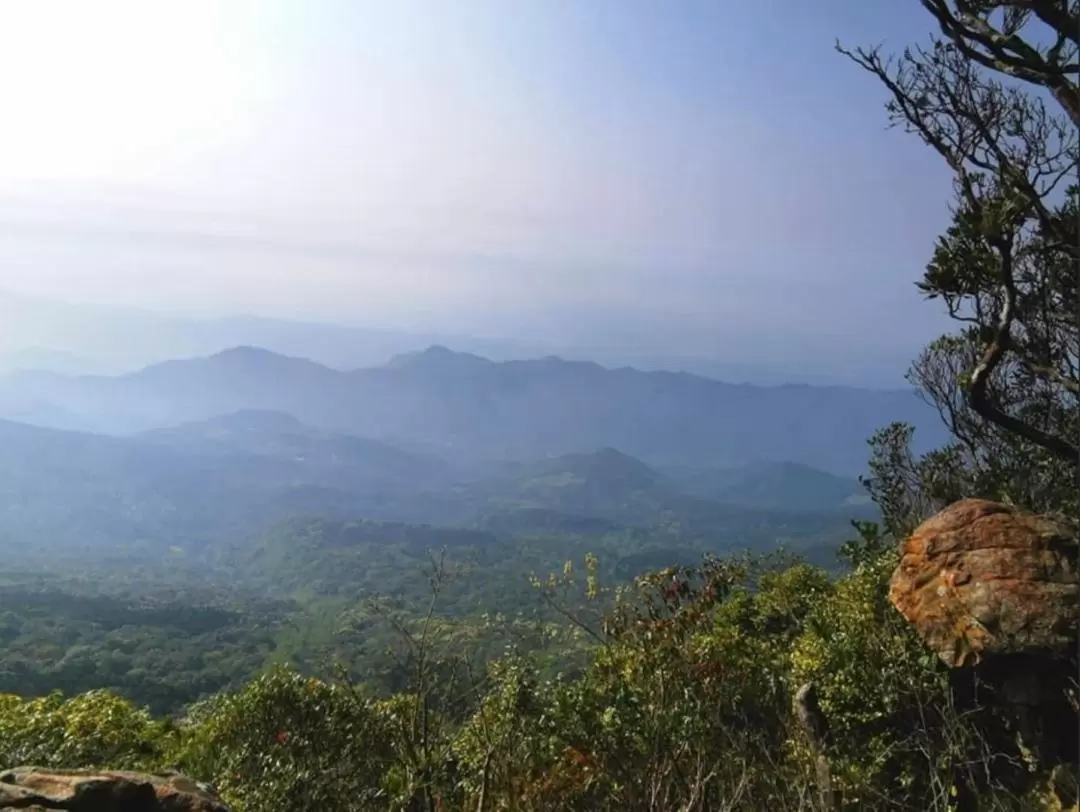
(1010, 54)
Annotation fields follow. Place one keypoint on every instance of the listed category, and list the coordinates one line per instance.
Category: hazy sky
(680, 174)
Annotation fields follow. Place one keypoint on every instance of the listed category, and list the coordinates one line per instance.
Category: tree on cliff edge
(995, 93)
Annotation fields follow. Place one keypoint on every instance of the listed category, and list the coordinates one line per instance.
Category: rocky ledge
(41, 790)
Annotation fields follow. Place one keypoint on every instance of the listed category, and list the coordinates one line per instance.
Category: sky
(702, 178)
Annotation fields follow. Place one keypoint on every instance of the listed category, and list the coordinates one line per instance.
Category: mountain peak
(606, 463)
(247, 354)
(248, 358)
(437, 357)
(222, 375)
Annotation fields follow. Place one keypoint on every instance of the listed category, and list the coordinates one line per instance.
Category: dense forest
(174, 563)
(311, 620)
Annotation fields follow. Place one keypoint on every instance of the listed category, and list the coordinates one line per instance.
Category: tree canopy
(995, 94)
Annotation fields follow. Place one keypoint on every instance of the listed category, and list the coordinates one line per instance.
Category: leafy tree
(909, 489)
(286, 741)
(995, 94)
(94, 729)
(682, 706)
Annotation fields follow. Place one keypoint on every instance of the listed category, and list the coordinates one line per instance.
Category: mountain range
(468, 409)
(298, 491)
(55, 336)
(206, 481)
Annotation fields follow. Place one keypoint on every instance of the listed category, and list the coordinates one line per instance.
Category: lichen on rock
(983, 579)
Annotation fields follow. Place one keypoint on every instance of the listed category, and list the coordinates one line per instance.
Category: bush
(95, 729)
(290, 742)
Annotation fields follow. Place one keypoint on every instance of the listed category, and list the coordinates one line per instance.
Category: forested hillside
(177, 562)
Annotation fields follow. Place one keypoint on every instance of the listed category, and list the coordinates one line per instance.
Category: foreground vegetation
(683, 701)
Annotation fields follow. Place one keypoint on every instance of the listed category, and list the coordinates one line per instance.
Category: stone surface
(982, 579)
(39, 789)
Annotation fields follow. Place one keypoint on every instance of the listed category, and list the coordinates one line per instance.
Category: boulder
(38, 789)
(982, 580)
(994, 592)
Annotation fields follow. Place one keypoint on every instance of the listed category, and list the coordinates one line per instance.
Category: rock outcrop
(982, 580)
(39, 790)
(994, 591)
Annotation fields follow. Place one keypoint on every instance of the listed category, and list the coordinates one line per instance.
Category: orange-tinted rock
(33, 788)
(982, 578)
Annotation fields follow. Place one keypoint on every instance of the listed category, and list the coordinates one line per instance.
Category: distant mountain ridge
(195, 484)
(202, 482)
(64, 337)
(780, 485)
(281, 436)
(470, 407)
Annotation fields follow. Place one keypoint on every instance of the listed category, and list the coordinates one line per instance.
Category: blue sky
(700, 178)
